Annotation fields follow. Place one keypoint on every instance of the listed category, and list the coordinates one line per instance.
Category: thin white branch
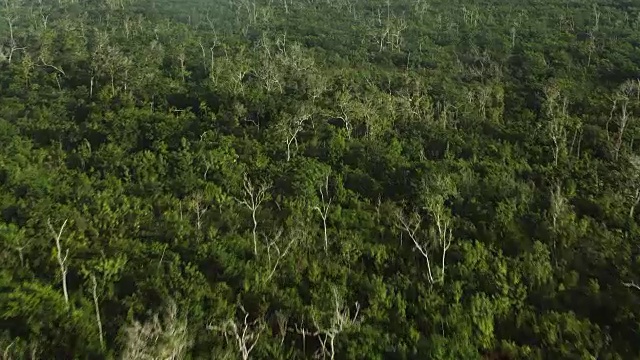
(631, 285)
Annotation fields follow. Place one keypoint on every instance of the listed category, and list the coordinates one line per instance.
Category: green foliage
(345, 180)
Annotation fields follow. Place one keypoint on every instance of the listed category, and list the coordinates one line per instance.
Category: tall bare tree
(62, 261)
(10, 12)
(290, 127)
(245, 334)
(634, 187)
(323, 209)
(274, 253)
(441, 232)
(411, 225)
(340, 321)
(254, 196)
(166, 339)
(625, 99)
(557, 116)
(199, 206)
(94, 293)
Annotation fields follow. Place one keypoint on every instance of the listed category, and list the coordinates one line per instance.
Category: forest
(319, 179)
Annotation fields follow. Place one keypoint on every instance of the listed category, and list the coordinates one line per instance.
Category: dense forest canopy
(335, 179)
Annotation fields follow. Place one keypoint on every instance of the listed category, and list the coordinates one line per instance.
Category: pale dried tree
(290, 128)
(558, 120)
(339, 322)
(443, 235)
(198, 205)
(10, 14)
(94, 292)
(15, 239)
(282, 321)
(17, 349)
(634, 187)
(559, 207)
(245, 334)
(626, 97)
(274, 253)
(182, 60)
(411, 224)
(254, 196)
(632, 285)
(323, 209)
(167, 339)
(319, 84)
(345, 104)
(62, 261)
(446, 114)
(110, 61)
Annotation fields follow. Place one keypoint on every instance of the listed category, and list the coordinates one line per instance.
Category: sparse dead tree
(252, 10)
(182, 59)
(294, 57)
(299, 329)
(94, 292)
(558, 121)
(282, 320)
(27, 65)
(167, 339)
(236, 69)
(197, 204)
(15, 239)
(46, 59)
(399, 26)
(446, 113)
(274, 249)
(442, 233)
(339, 322)
(390, 32)
(319, 84)
(62, 261)
(632, 285)
(245, 334)
(484, 96)
(109, 61)
(266, 14)
(591, 47)
(254, 196)
(18, 349)
(411, 224)
(420, 7)
(634, 187)
(382, 37)
(290, 128)
(271, 77)
(627, 95)
(7, 351)
(10, 14)
(323, 209)
(559, 207)
(344, 103)
(270, 73)
(470, 16)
